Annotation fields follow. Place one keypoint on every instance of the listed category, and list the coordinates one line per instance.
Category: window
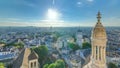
(31, 65)
(34, 64)
(96, 52)
(100, 53)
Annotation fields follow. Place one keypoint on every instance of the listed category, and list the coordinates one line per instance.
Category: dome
(99, 30)
(79, 30)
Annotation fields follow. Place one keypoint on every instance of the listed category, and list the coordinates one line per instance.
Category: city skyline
(58, 13)
(38, 47)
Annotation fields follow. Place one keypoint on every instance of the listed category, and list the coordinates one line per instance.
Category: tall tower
(79, 38)
(98, 41)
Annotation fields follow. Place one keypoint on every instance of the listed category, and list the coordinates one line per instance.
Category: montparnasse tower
(98, 41)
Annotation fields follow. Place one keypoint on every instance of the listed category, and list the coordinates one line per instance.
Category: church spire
(99, 17)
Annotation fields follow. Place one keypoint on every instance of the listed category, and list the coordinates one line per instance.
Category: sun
(52, 14)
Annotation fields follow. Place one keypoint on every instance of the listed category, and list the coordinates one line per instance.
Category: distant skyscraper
(98, 40)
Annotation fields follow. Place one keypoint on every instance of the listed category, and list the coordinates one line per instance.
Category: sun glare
(52, 14)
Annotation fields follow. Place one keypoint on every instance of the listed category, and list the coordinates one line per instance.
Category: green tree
(60, 64)
(74, 36)
(42, 52)
(53, 65)
(45, 66)
(86, 45)
(19, 45)
(56, 35)
(2, 65)
(73, 46)
(112, 65)
(2, 42)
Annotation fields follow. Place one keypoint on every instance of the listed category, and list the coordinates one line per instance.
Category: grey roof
(18, 62)
(32, 56)
(24, 57)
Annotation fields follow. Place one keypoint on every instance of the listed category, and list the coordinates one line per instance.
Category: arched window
(96, 52)
(100, 53)
(34, 64)
(31, 65)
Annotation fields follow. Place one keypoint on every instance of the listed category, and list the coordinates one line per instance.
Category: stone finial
(98, 16)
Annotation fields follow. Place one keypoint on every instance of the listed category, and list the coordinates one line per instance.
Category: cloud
(46, 23)
(29, 4)
(25, 2)
(84, 3)
(111, 21)
(90, 0)
(12, 19)
(79, 4)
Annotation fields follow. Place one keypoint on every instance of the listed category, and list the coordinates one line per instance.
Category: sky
(58, 13)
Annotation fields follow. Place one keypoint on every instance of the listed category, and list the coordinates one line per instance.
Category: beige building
(1, 45)
(98, 40)
(27, 59)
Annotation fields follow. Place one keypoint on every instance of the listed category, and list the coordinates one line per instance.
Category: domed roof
(99, 30)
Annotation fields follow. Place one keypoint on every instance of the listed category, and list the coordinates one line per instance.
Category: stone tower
(98, 41)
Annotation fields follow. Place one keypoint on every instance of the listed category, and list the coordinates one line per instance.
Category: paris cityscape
(59, 34)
